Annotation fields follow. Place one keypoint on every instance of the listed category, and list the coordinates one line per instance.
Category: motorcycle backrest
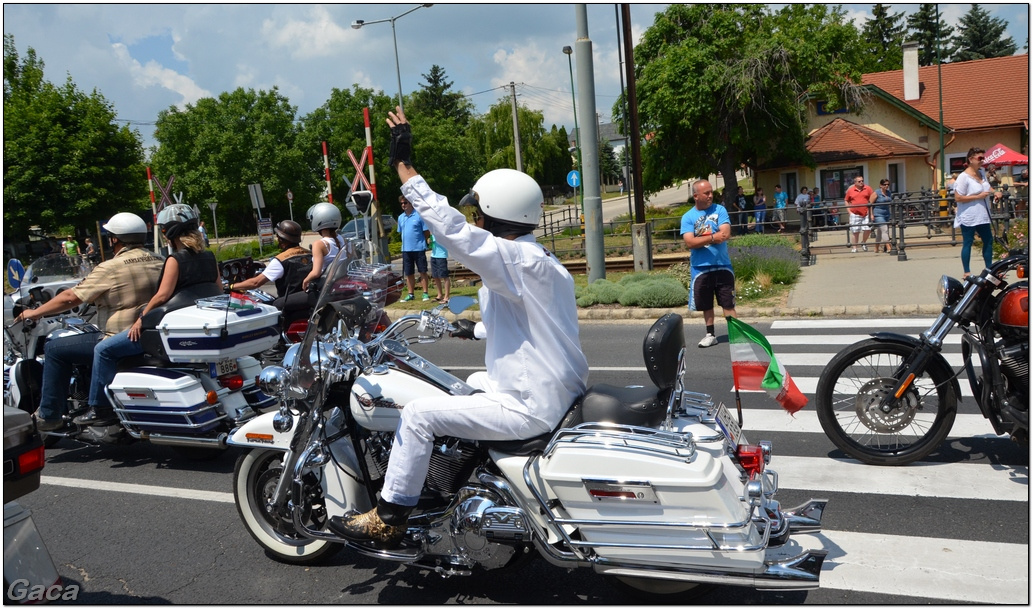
(663, 343)
(185, 298)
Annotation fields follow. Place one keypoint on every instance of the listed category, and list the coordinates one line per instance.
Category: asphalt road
(140, 524)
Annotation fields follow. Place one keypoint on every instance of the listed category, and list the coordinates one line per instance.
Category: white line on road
(864, 324)
(139, 489)
(757, 420)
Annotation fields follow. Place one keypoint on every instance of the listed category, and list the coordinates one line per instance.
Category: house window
(834, 182)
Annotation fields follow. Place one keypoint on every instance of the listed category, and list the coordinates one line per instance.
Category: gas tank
(1011, 312)
(377, 398)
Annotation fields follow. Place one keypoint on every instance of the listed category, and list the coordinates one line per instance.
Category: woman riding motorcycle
(535, 365)
(325, 219)
(190, 264)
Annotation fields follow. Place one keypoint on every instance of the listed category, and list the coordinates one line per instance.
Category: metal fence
(917, 219)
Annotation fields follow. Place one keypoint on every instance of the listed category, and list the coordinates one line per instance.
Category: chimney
(911, 90)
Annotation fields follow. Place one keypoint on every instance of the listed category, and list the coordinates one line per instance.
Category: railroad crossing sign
(166, 193)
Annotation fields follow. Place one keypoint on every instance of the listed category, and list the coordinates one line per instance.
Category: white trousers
(481, 416)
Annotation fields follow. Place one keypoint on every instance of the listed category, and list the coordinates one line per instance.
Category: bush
(659, 291)
(605, 291)
(243, 249)
(631, 278)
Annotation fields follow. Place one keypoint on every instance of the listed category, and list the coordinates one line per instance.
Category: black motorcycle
(892, 399)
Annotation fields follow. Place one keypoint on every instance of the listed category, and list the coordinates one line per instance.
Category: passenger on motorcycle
(189, 264)
(119, 287)
(325, 219)
(536, 369)
(287, 270)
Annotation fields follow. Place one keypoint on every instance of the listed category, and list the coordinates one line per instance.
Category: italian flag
(754, 367)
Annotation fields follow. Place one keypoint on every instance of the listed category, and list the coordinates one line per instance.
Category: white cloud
(316, 36)
(153, 74)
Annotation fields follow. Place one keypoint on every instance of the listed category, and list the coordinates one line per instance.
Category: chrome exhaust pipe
(157, 438)
(806, 517)
(796, 573)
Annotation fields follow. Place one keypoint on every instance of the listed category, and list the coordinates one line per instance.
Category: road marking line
(838, 339)
(138, 489)
(806, 421)
(866, 324)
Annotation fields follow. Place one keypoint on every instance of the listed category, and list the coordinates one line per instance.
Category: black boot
(384, 525)
(97, 415)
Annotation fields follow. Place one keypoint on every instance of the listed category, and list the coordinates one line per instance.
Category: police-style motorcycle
(654, 487)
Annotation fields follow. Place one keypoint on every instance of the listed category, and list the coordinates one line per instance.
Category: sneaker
(426, 297)
(708, 341)
(49, 425)
(96, 416)
(409, 297)
(864, 247)
(368, 527)
(853, 250)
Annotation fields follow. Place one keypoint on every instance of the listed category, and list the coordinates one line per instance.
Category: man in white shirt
(535, 366)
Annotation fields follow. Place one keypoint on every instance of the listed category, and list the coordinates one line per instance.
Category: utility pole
(641, 238)
(595, 256)
(516, 126)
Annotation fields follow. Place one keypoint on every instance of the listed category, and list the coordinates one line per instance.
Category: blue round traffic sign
(574, 178)
(15, 272)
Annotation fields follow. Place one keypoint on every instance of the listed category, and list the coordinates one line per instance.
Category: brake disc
(871, 415)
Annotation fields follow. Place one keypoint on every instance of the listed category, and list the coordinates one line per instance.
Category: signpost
(215, 224)
(290, 202)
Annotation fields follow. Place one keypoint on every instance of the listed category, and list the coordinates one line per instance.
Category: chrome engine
(476, 531)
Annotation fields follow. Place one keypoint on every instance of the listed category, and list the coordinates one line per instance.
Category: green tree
(496, 146)
(558, 160)
(436, 98)
(980, 36)
(927, 29)
(720, 86)
(218, 146)
(609, 169)
(67, 164)
(882, 38)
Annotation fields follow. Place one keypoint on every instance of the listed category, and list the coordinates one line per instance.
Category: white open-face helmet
(324, 215)
(127, 227)
(510, 196)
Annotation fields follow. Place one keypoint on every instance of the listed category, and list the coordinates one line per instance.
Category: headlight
(949, 290)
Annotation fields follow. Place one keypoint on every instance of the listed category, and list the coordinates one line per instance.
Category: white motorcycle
(654, 487)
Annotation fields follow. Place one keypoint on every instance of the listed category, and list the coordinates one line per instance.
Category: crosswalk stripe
(954, 569)
(809, 384)
(953, 480)
(865, 324)
(759, 420)
(839, 339)
(789, 359)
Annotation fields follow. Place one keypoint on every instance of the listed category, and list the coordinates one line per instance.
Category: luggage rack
(224, 303)
(363, 271)
(648, 440)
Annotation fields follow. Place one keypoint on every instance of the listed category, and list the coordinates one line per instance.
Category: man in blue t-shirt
(706, 230)
(414, 248)
(778, 215)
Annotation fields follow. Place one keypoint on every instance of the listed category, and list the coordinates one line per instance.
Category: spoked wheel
(254, 479)
(848, 399)
(662, 590)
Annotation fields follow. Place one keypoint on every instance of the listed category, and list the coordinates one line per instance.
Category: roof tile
(842, 140)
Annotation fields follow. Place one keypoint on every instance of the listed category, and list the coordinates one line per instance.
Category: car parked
(357, 227)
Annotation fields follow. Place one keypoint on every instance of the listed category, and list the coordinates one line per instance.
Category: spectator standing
(439, 271)
(881, 215)
(204, 233)
(819, 210)
(972, 192)
(1021, 184)
(620, 183)
(803, 202)
(741, 213)
(832, 213)
(706, 229)
(779, 213)
(414, 248)
(949, 185)
(760, 209)
(91, 252)
(71, 249)
(858, 200)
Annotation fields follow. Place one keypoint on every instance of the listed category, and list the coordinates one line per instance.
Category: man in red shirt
(858, 201)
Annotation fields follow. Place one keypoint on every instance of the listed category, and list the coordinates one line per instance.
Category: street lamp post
(358, 23)
(568, 51)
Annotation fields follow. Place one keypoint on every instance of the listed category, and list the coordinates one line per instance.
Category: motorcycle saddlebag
(159, 400)
(210, 333)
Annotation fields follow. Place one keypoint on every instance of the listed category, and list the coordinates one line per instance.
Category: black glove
(401, 145)
(464, 329)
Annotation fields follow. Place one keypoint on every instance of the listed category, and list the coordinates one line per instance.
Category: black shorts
(719, 283)
(439, 268)
(418, 258)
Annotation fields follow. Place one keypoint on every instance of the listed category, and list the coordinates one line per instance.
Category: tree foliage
(928, 30)
(743, 103)
(436, 98)
(980, 36)
(67, 164)
(495, 143)
(218, 146)
(882, 38)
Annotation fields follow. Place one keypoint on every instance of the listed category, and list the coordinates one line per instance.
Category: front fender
(259, 433)
(935, 358)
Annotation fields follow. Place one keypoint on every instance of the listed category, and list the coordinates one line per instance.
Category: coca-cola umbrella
(1002, 155)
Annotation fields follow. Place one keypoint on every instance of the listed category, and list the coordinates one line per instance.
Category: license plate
(729, 425)
(223, 366)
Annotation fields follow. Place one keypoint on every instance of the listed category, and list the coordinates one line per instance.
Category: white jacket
(528, 309)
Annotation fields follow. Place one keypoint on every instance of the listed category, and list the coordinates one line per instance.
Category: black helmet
(289, 231)
(175, 220)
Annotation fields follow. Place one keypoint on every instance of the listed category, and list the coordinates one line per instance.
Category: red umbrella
(1002, 155)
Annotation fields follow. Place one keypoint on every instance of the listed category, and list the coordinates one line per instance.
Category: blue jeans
(61, 355)
(105, 364)
(986, 235)
(761, 213)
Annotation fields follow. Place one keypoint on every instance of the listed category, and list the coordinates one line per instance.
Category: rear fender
(936, 358)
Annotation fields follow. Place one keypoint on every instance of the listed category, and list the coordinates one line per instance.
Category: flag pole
(738, 403)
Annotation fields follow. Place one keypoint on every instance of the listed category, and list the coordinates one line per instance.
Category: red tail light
(233, 382)
(32, 460)
(296, 331)
(751, 458)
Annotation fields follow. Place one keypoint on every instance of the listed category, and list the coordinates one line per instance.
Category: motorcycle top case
(202, 334)
(160, 400)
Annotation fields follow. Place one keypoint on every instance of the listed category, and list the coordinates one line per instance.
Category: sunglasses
(979, 158)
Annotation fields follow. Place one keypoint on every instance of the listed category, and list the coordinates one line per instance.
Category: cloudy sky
(145, 58)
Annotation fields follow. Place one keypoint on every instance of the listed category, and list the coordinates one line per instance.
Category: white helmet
(510, 196)
(127, 227)
(175, 220)
(324, 215)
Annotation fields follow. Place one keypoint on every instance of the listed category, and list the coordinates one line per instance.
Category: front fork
(915, 364)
